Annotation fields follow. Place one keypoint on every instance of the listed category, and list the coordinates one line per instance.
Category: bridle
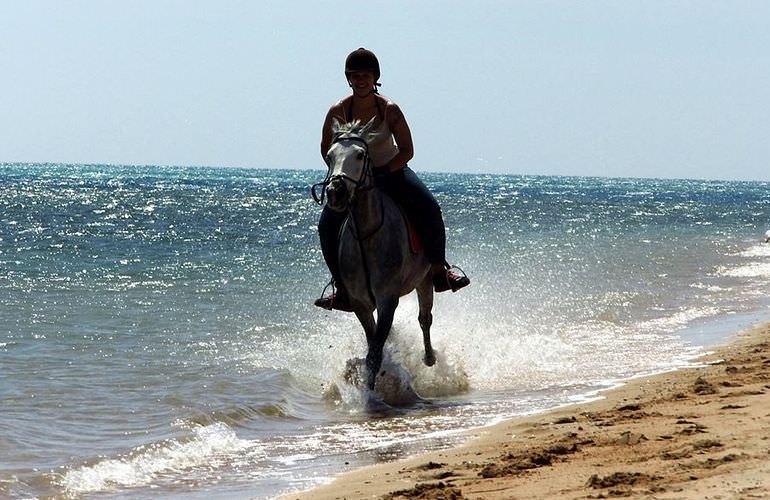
(359, 184)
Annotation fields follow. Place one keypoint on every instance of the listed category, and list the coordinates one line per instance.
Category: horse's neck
(368, 212)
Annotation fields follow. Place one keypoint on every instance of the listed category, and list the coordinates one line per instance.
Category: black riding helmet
(362, 59)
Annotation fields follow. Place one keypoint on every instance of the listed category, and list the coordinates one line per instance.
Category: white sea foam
(677, 320)
(762, 250)
(143, 465)
(752, 270)
(710, 288)
(757, 267)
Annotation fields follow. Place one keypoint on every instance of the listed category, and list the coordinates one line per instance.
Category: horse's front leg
(385, 312)
(425, 317)
(367, 322)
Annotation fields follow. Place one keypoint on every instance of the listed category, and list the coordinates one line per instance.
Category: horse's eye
(360, 155)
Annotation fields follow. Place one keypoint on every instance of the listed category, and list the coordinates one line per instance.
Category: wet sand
(700, 433)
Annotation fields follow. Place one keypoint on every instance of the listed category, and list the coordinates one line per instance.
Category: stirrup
(450, 280)
(334, 300)
(324, 301)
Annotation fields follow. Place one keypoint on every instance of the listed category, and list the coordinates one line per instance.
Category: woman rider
(389, 154)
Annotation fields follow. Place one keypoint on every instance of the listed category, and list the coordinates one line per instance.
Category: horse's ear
(335, 125)
(367, 129)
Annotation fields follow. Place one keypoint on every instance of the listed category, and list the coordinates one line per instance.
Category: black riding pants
(420, 206)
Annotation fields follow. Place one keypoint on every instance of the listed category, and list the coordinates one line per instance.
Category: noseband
(366, 171)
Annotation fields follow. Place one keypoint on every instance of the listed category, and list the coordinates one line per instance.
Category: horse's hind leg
(425, 317)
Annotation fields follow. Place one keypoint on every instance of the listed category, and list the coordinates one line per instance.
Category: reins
(365, 172)
(319, 199)
(359, 184)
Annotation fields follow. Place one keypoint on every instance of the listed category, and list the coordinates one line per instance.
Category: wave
(761, 250)
(143, 465)
(758, 267)
(678, 320)
(753, 270)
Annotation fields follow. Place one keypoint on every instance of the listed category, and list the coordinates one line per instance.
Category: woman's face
(362, 82)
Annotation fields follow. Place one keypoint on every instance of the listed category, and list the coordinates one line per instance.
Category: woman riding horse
(389, 153)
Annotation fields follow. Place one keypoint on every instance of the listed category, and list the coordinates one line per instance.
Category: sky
(661, 89)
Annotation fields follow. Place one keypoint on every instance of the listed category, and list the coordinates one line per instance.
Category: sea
(158, 337)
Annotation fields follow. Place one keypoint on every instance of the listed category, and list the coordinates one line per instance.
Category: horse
(377, 263)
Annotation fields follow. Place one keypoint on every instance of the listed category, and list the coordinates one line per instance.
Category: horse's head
(350, 168)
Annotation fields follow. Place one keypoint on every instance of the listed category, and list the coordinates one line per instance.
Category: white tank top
(383, 148)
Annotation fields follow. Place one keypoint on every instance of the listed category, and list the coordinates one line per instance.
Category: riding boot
(448, 279)
(328, 231)
(338, 300)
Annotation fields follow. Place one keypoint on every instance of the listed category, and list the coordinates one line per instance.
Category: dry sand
(697, 433)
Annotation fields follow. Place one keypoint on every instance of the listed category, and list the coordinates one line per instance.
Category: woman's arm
(403, 136)
(326, 132)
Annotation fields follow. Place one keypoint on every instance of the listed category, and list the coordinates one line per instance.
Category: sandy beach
(699, 433)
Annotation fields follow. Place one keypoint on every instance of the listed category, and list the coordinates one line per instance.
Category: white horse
(377, 263)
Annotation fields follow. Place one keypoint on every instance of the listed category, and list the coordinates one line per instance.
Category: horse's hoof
(429, 359)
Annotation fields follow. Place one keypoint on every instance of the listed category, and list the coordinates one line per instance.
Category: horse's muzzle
(337, 195)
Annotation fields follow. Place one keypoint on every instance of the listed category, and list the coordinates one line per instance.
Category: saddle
(414, 238)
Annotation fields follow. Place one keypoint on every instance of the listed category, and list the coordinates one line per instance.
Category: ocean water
(158, 339)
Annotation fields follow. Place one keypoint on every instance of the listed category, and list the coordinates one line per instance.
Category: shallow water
(157, 336)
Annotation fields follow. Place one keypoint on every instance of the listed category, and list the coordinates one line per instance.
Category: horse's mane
(354, 129)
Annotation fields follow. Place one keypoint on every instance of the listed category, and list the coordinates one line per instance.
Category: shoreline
(699, 432)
